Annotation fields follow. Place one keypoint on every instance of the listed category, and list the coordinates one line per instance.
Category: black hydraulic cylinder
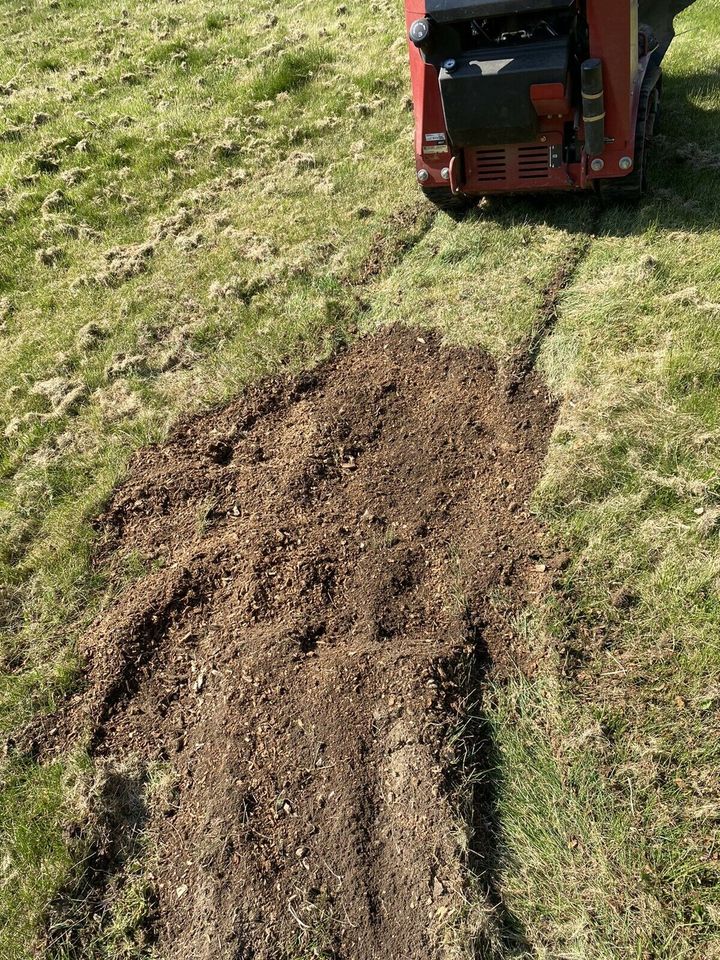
(593, 98)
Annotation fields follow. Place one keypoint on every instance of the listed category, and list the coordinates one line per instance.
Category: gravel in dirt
(325, 553)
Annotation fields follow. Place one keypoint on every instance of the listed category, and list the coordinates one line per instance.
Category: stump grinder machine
(519, 96)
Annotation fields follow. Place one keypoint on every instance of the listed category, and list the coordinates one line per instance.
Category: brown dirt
(327, 552)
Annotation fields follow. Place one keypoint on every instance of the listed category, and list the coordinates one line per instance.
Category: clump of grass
(215, 21)
(293, 70)
(594, 863)
(316, 918)
(50, 64)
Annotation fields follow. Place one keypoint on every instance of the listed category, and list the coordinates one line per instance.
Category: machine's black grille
(533, 162)
(491, 165)
(516, 167)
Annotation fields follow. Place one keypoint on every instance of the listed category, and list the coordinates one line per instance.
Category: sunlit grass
(190, 195)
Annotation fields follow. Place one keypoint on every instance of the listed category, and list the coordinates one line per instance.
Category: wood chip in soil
(326, 553)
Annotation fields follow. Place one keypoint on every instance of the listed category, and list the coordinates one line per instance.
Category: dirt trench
(325, 556)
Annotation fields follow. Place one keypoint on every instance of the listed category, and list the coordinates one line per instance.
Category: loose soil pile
(327, 552)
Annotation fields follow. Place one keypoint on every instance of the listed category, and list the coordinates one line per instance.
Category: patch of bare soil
(328, 551)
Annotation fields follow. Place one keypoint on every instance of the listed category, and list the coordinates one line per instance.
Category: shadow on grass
(684, 177)
(106, 907)
(503, 936)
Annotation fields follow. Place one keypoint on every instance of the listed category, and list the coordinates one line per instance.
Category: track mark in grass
(524, 359)
(402, 234)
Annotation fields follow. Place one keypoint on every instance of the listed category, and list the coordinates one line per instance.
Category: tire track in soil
(330, 551)
(388, 248)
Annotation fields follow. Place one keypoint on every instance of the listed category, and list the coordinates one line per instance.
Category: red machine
(532, 95)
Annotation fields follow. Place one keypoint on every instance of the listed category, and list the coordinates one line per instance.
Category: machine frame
(631, 86)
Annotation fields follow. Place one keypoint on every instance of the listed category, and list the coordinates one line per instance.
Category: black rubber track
(634, 186)
(455, 205)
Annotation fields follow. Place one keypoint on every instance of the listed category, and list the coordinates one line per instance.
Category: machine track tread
(634, 186)
(455, 205)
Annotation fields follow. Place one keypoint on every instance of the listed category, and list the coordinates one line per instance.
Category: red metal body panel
(550, 99)
(521, 167)
(614, 40)
(429, 117)
(613, 26)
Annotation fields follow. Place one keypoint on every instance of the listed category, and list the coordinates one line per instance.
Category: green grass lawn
(193, 194)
